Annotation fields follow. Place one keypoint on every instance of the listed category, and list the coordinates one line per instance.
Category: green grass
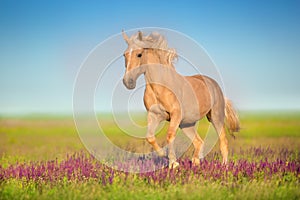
(141, 190)
(273, 125)
(50, 137)
(41, 138)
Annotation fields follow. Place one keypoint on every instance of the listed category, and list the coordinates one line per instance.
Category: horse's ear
(140, 36)
(126, 38)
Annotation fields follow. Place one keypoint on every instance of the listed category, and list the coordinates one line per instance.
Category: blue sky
(255, 44)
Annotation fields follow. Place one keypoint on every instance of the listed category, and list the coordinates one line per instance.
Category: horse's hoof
(161, 153)
(173, 165)
(225, 161)
(195, 161)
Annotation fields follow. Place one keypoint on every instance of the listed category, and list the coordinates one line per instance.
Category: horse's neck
(160, 74)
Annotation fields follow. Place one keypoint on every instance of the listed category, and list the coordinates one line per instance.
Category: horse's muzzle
(130, 83)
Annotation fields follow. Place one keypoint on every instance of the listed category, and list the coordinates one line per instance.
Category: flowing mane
(155, 41)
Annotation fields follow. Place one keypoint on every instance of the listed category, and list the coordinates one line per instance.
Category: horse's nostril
(131, 84)
(130, 81)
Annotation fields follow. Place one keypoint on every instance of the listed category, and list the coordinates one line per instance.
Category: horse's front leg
(174, 124)
(154, 120)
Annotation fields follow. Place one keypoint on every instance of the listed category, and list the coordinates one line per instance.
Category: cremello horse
(181, 100)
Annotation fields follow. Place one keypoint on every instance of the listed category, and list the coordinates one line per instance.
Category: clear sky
(255, 44)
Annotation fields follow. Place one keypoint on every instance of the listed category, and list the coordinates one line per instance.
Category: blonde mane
(155, 41)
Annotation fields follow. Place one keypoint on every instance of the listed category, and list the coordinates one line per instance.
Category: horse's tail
(232, 121)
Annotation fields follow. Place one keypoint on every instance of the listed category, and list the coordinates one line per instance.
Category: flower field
(42, 158)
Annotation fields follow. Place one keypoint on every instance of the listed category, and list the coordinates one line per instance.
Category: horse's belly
(193, 110)
(191, 116)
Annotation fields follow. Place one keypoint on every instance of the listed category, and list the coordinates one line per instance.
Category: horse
(181, 100)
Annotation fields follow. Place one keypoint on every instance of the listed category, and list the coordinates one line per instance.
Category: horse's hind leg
(154, 120)
(190, 132)
(224, 145)
(217, 118)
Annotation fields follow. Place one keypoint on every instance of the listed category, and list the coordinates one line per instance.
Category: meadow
(42, 157)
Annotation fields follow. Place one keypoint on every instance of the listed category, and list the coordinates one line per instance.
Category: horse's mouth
(130, 84)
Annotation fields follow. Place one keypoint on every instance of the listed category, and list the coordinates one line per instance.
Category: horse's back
(206, 82)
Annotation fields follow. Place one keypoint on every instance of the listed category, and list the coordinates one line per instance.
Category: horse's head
(143, 51)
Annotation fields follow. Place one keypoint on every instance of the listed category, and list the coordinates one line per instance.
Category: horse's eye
(139, 55)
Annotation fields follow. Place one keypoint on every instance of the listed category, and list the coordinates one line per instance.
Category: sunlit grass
(48, 137)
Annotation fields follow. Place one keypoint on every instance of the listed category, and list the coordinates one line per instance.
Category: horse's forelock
(153, 40)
